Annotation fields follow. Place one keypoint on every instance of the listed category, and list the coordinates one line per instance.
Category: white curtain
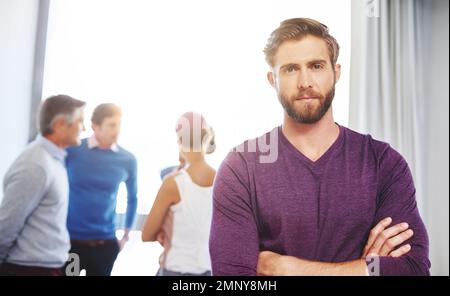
(390, 98)
(386, 94)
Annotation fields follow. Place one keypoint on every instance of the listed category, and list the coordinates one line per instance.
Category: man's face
(108, 131)
(73, 130)
(304, 78)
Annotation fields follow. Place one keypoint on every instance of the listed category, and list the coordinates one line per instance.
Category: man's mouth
(306, 98)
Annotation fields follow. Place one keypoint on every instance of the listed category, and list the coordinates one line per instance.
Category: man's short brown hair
(55, 106)
(297, 29)
(103, 111)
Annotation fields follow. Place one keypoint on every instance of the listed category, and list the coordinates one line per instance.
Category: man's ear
(271, 78)
(337, 72)
(94, 126)
(59, 123)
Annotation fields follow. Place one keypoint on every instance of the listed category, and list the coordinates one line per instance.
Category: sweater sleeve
(23, 190)
(396, 199)
(131, 184)
(234, 246)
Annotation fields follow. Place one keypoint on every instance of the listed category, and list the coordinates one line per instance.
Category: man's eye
(290, 69)
(317, 66)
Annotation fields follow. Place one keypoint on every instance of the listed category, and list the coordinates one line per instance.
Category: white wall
(18, 20)
(437, 118)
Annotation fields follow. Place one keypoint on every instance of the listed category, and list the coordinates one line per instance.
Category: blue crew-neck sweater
(94, 179)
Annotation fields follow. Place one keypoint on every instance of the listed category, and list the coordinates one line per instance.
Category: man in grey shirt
(33, 212)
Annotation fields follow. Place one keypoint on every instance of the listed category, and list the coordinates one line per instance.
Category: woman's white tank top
(189, 241)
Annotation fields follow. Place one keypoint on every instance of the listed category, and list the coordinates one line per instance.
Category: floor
(137, 258)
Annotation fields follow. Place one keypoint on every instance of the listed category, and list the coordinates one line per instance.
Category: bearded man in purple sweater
(312, 197)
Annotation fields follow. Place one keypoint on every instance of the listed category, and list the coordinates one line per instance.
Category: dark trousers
(9, 269)
(96, 257)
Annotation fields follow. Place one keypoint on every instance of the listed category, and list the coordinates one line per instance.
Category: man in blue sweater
(95, 169)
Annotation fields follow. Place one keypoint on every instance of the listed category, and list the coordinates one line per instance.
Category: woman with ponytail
(180, 218)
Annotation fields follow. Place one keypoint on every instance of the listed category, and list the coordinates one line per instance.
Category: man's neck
(313, 140)
(52, 138)
(101, 144)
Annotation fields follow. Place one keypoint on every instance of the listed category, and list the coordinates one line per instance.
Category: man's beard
(308, 114)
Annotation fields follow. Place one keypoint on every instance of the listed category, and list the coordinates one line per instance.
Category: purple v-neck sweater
(321, 211)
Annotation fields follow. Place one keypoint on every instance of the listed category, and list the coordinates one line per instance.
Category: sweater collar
(93, 143)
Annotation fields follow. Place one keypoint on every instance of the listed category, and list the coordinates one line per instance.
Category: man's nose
(304, 80)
